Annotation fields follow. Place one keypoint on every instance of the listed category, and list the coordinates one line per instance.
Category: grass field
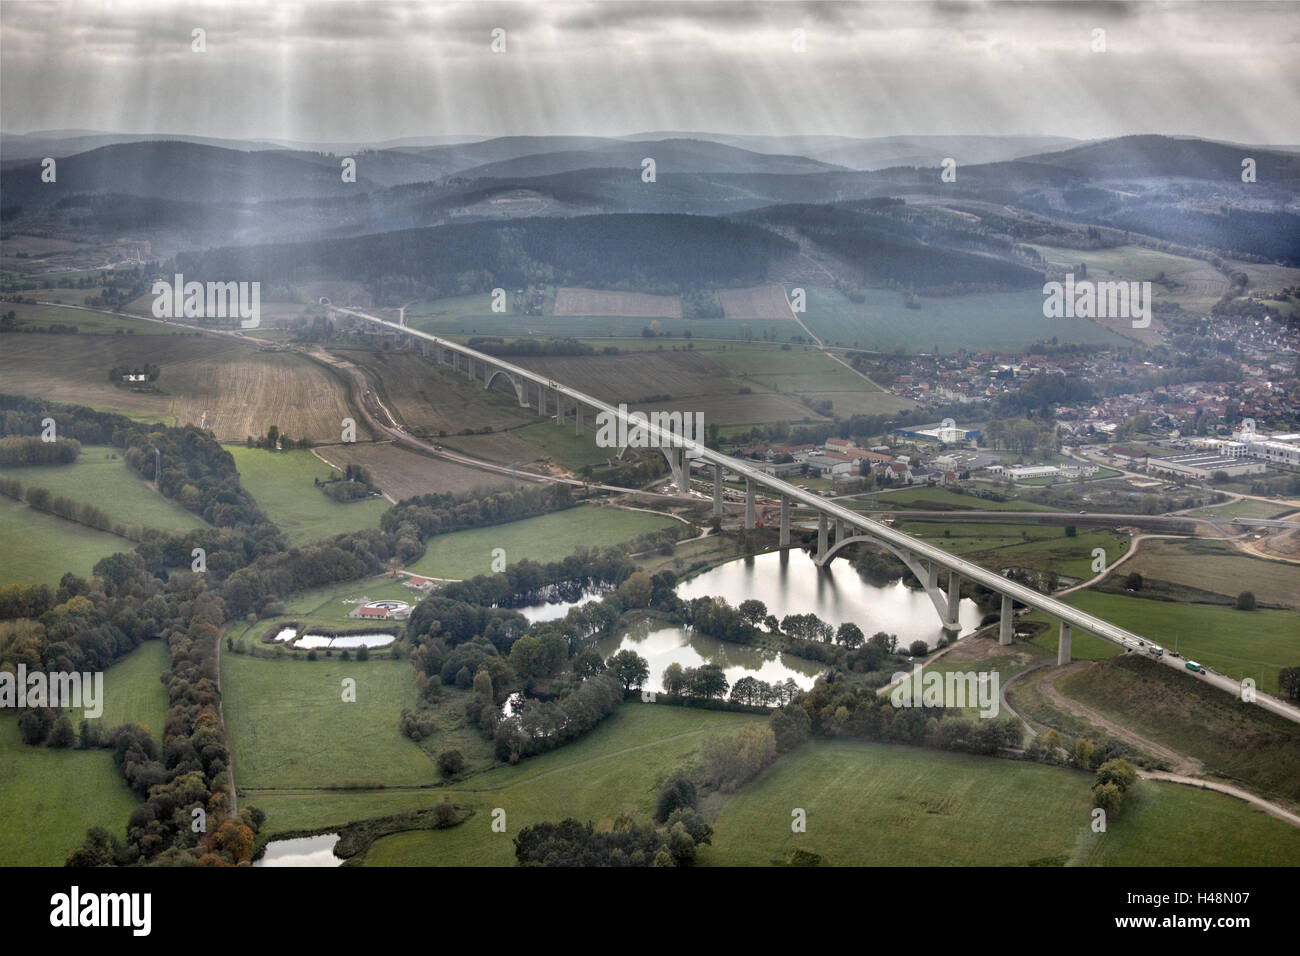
(617, 766)
(281, 482)
(288, 724)
(86, 321)
(1193, 284)
(403, 474)
(879, 804)
(560, 444)
(1217, 566)
(1232, 739)
(694, 380)
(49, 798)
(133, 691)
(998, 320)
(458, 322)
(100, 476)
(549, 537)
(1042, 547)
(1246, 508)
(910, 497)
(807, 371)
(40, 548)
(577, 301)
(1255, 644)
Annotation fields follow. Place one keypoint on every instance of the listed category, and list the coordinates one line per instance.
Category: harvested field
(65, 368)
(216, 383)
(756, 302)
(502, 448)
(244, 393)
(404, 474)
(1217, 566)
(433, 401)
(571, 301)
(695, 382)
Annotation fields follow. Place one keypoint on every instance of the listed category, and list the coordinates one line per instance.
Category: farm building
(827, 466)
(369, 613)
(782, 469)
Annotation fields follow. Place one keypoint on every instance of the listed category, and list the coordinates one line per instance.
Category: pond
(536, 613)
(301, 851)
(662, 646)
(312, 641)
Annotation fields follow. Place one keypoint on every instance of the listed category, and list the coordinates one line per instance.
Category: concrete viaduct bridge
(924, 560)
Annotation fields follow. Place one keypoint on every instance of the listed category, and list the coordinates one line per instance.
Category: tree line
(19, 450)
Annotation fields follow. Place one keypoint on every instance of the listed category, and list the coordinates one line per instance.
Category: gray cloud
(376, 70)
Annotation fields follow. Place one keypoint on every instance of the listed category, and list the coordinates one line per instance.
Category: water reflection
(788, 583)
(536, 613)
(301, 851)
(313, 641)
(792, 583)
(662, 646)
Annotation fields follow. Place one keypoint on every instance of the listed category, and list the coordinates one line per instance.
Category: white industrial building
(1277, 452)
(1205, 464)
(1021, 472)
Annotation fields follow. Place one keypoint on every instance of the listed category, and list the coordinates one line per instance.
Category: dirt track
(1046, 682)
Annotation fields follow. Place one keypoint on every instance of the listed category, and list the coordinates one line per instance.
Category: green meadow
(49, 798)
(40, 548)
(100, 477)
(548, 537)
(870, 804)
(282, 484)
(1255, 644)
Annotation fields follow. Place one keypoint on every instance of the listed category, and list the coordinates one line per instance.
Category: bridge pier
(839, 530)
(785, 522)
(559, 408)
(679, 468)
(717, 491)
(577, 419)
(749, 504)
(954, 602)
(541, 400)
(1063, 646)
(1007, 621)
(821, 537)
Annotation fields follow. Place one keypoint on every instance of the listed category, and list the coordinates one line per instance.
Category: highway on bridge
(1075, 618)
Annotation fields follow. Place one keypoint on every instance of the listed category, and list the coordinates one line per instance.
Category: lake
(787, 584)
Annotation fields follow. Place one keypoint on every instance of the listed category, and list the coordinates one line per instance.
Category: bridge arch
(515, 383)
(943, 605)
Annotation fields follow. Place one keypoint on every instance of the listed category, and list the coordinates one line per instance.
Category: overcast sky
(369, 71)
